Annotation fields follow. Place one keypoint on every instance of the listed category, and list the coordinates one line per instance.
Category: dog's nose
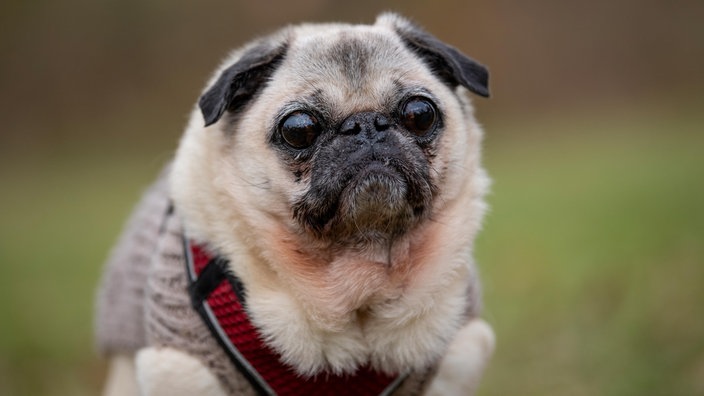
(366, 123)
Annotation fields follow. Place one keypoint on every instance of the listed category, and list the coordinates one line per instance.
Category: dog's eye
(418, 115)
(299, 129)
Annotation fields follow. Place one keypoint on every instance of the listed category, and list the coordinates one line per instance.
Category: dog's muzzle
(366, 183)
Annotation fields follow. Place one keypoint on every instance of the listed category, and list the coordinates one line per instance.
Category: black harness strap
(199, 288)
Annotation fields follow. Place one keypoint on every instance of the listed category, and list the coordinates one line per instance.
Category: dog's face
(334, 162)
(357, 120)
(357, 140)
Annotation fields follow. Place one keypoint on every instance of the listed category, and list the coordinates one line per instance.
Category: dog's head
(324, 144)
(357, 118)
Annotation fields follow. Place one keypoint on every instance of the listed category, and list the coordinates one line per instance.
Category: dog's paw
(462, 366)
(170, 372)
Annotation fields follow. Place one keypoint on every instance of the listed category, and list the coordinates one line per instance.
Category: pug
(314, 233)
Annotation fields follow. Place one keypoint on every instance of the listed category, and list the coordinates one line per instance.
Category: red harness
(219, 297)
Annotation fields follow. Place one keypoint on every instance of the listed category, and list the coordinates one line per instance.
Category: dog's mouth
(376, 194)
(375, 201)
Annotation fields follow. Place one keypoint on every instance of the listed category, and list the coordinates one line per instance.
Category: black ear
(447, 62)
(239, 82)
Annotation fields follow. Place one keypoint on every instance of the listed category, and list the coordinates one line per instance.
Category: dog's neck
(219, 297)
(353, 308)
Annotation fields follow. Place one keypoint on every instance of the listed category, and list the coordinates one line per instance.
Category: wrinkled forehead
(354, 67)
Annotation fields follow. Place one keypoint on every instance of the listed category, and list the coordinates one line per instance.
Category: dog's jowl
(314, 232)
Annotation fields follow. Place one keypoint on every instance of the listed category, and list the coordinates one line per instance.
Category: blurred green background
(592, 256)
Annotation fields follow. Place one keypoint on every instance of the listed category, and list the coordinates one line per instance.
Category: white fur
(121, 378)
(466, 358)
(169, 372)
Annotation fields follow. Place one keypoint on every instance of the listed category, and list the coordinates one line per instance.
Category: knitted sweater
(143, 299)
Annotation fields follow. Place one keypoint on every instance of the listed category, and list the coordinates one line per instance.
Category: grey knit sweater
(143, 299)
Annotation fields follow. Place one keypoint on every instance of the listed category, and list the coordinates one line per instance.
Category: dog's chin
(373, 208)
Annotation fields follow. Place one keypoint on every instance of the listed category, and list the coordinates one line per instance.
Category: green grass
(61, 212)
(592, 257)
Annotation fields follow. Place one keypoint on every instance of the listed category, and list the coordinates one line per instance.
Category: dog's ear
(447, 62)
(239, 82)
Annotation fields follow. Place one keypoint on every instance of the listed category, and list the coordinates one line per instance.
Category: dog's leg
(169, 372)
(462, 366)
(121, 380)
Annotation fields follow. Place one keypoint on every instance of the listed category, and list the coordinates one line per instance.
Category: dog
(314, 232)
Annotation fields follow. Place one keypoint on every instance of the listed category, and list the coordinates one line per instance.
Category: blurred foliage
(73, 68)
(591, 256)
